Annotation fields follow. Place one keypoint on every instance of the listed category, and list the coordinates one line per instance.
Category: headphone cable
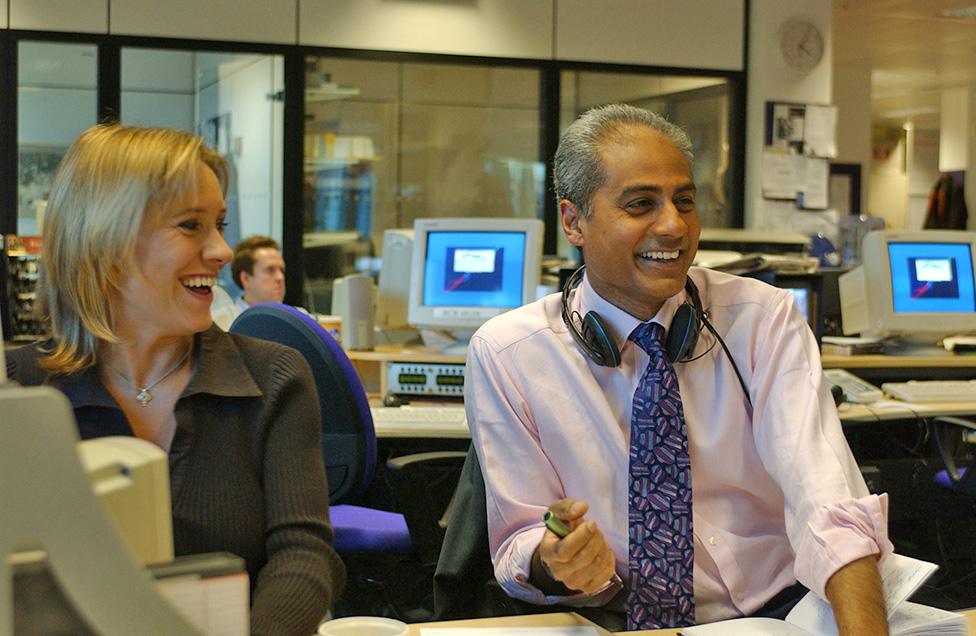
(728, 354)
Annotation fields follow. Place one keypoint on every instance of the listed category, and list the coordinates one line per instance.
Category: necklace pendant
(144, 397)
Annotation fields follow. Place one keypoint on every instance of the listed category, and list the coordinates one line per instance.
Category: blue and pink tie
(662, 552)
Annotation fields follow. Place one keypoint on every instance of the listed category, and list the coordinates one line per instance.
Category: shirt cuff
(841, 533)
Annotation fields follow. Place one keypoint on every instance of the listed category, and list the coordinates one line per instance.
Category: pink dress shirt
(778, 497)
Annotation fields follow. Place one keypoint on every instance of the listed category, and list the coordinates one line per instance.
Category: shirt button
(712, 541)
(739, 596)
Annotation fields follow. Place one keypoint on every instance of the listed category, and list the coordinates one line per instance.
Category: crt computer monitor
(465, 271)
(917, 285)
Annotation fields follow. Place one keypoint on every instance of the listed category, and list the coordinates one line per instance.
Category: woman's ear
(570, 218)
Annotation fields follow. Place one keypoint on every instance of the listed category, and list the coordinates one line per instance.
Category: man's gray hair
(578, 171)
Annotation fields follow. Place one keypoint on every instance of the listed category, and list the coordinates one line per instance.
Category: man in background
(259, 270)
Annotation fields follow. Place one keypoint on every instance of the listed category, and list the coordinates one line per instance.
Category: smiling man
(702, 472)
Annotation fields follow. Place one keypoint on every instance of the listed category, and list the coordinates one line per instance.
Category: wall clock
(801, 45)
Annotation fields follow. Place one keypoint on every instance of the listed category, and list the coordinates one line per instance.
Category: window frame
(109, 97)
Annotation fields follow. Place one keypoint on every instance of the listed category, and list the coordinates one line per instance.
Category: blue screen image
(474, 269)
(932, 277)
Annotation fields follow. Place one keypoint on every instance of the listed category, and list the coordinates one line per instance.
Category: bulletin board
(800, 139)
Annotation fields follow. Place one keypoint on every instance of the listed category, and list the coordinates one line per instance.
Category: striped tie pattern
(661, 546)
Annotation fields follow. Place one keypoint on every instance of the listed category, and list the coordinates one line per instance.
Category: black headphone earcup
(682, 336)
(598, 342)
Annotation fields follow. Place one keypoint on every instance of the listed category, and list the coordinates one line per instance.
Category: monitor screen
(918, 285)
(465, 271)
(806, 291)
(931, 277)
(801, 296)
(474, 269)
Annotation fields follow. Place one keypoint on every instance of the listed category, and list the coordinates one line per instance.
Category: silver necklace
(143, 396)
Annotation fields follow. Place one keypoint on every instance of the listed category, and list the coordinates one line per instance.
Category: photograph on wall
(36, 166)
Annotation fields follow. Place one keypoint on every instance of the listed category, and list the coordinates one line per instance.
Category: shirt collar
(619, 323)
(220, 370)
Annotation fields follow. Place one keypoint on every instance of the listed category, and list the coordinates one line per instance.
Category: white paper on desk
(745, 627)
(509, 631)
(901, 576)
(912, 618)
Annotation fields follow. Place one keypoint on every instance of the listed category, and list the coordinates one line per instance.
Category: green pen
(559, 528)
(555, 524)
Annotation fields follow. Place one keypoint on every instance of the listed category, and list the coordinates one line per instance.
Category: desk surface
(422, 354)
(948, 361)
(570, 619)
(850, 413)
(890, 410)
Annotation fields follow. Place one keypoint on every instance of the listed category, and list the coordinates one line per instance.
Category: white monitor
(465, 271)
(131, 477)
(917, 285)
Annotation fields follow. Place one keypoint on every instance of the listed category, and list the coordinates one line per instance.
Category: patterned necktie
(662, 552)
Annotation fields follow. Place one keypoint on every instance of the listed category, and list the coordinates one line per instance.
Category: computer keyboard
(932, 390)
(428, 416)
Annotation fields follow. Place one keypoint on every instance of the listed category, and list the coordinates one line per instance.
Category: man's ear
(570, 218)
(245, 280)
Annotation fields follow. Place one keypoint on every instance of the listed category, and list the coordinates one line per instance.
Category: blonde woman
(133, 242)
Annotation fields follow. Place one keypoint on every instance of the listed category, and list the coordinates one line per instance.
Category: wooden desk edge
(901, 362)
(570, 619)
(559, 619)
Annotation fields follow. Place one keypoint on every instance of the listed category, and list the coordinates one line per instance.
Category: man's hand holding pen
(582, 559)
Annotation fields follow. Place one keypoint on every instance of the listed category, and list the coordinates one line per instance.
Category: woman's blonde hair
(108, 182)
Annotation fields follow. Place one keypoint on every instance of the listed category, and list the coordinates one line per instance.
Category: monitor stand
(452, 342)
(459, 348)
(914, 346)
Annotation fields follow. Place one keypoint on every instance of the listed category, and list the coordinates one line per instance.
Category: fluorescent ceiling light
(909, 112)
(961, 12)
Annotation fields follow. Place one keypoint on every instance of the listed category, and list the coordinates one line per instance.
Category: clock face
(802, 45)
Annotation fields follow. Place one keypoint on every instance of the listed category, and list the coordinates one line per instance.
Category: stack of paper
(901, 576)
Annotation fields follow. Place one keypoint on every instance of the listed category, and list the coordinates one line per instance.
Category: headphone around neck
(595, 339)
(597, 342)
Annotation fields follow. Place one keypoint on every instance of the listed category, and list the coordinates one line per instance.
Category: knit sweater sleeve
(303, 574)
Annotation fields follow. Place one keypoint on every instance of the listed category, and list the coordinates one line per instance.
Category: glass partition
(229, 99)
(390, 142)
(57, 98)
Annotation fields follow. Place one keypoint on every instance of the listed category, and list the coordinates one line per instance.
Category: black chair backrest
(348, 438)
(465, 566)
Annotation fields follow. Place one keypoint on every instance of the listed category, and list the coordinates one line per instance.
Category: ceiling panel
(913, 48)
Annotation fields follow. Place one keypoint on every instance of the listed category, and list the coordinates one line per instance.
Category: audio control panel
(425, 378)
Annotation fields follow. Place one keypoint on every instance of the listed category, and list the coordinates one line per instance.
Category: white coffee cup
(363, 626)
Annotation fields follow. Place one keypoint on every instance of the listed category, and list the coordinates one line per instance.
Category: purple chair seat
(943, 479)
(359, 529)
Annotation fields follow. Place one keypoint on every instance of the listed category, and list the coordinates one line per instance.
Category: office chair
(955, 439)
(421, 482)
(955, 519)
(348, 440)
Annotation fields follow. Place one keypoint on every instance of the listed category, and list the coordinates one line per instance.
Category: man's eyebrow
(640, 187)
(646, 187)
